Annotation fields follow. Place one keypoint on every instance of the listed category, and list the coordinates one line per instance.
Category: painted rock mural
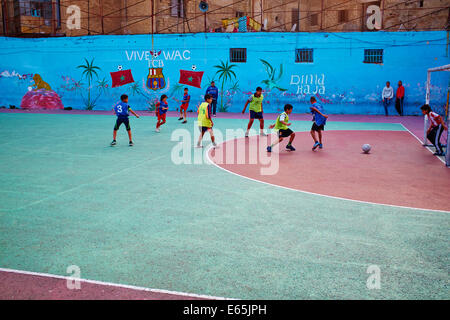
(41, 99)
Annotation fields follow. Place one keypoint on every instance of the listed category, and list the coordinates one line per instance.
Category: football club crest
(155, 79)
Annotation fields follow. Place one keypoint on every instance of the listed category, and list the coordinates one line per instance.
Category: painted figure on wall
(39, 83)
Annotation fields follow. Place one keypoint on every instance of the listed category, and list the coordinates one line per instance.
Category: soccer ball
(366, 148)
(155, 55)
(194, 67)
(119, 67)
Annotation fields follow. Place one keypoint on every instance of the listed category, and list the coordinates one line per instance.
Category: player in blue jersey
(320, 120)
(161, 110)
(184, 105)
(122, 110)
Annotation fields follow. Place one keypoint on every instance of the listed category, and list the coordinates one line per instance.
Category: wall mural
(41, 96)
(338, 79)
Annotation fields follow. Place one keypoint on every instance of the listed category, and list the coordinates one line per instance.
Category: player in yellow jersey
(281, 125)
(205, 122)
(256, 111)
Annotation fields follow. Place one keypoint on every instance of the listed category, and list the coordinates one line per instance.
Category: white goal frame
(427, 101)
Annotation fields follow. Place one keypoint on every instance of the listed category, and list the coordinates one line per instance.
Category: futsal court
(140, 226)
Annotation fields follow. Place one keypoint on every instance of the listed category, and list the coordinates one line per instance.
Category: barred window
(342, 16)
(304, 55)
(176, 8)
(238, 55)
(314, 19)
(373, 55)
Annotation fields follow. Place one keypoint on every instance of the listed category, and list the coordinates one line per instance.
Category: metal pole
(262, 13)
(53, 18)
(5, 17)
(321, 16)
(205, 21)
(89, 15)
(101, 14)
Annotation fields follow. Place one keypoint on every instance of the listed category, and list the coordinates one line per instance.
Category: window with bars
(342, 16)
(373, 55)
(304, 55)
(314, 19)
(176, 8)
(238, 55)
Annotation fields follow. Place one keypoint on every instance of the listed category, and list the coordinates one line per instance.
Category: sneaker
(113, 143)
(157, 130)
(180, 118)
(199, 146)
(131, 144)
(320, 146)
(214, 115)
(263, 134)
(246, 134)
(315, 146)
(269, 149)
(214, 144)
(290, 147)
(185, 121)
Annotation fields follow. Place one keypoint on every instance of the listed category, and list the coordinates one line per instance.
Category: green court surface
(129, 215)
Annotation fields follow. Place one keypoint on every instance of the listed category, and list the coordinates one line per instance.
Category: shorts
(283, 133)
(184, 107)
(256, 115)
(161, 116)
(204, 129)
(315, 127)
(123, 120)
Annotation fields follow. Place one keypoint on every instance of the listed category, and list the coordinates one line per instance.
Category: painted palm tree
(89, 70)
(225, 73)
(136, 90)
(271, 71)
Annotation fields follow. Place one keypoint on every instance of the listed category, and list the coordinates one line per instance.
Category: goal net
(437, 96)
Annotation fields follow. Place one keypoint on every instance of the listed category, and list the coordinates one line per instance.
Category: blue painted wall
(338, 75)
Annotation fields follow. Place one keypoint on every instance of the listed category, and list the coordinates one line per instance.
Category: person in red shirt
(399, 98)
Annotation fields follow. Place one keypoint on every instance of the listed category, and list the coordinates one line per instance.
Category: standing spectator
(214, 93)
(399, 98)
(386, 96)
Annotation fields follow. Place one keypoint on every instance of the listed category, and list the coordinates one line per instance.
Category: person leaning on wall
(399, 97)
(386, 95)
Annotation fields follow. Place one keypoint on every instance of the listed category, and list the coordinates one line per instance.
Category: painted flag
(191, 78)
(120, 78)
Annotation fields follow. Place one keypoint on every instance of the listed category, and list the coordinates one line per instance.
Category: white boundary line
(421, 142)
(109, 284)
(318, 194)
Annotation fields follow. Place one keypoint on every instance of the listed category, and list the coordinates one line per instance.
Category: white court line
(421, 142)
(109, 284)
(318, 194)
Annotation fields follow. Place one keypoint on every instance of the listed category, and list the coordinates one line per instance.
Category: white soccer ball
(366, 148)
(119, 67)
(155, 55)
(194, 67)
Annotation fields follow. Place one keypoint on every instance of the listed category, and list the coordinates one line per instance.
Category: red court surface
(18, 286)
(398, 171)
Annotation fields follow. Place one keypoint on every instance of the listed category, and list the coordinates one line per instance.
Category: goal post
(446, 114)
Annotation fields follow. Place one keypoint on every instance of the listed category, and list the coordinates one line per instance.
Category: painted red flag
(120, 78)
(191, 78)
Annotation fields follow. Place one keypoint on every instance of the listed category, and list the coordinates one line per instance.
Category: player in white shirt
(386, 96)
(437, 126)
